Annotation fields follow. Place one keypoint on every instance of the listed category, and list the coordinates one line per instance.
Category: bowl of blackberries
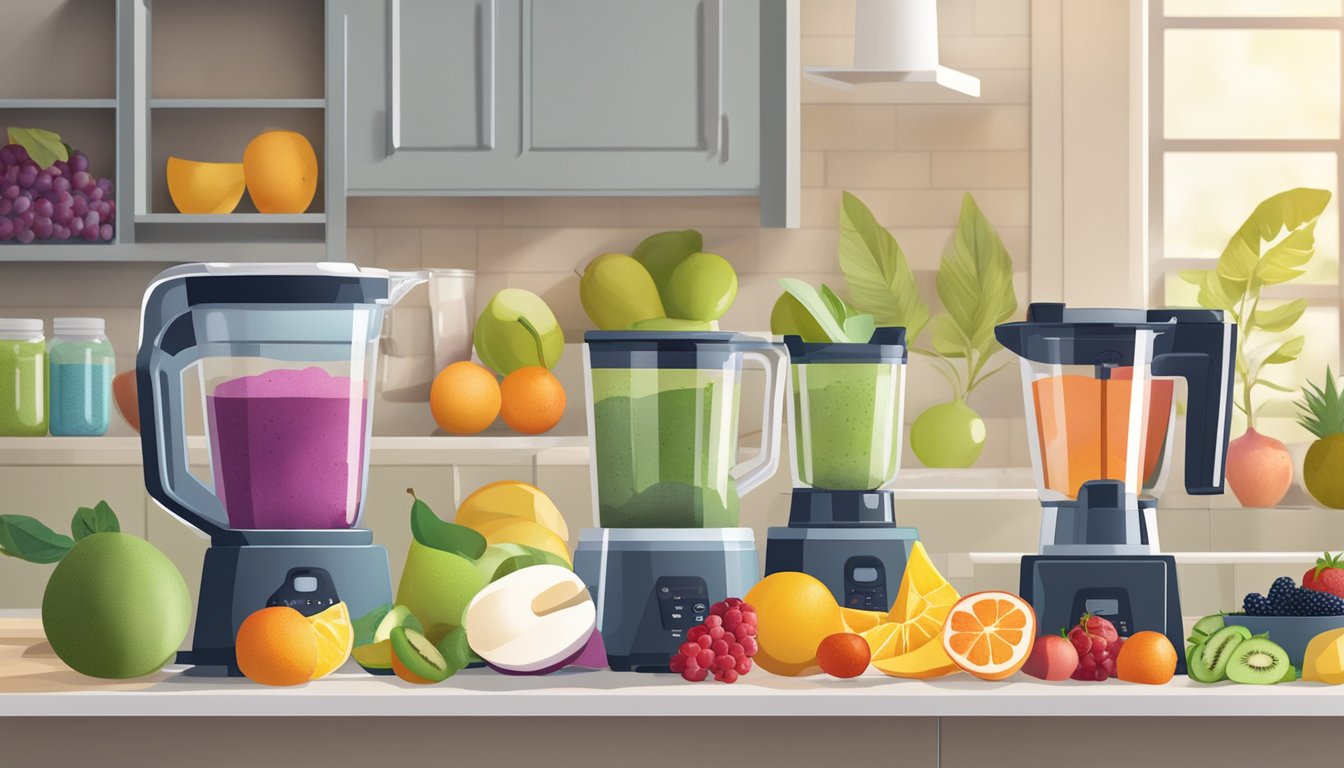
(1293, 614)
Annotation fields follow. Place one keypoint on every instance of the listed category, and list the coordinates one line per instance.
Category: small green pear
(616, 291)
(702, 287)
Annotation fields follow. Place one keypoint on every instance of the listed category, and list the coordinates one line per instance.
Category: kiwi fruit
(1289, 674)
(1204, 628)
(1208, 663)
(415, 659)
(1258, 661)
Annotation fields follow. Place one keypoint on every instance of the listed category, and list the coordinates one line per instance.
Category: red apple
(1053, 657)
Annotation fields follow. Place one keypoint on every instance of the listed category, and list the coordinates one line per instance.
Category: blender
(1099, 392)
(283, 356)
(667, 482)
(847, 404)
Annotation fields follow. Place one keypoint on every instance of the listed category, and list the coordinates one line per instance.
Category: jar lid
(78, 325)
(20, 325)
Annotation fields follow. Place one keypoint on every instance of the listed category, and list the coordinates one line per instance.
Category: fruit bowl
(1291, 632)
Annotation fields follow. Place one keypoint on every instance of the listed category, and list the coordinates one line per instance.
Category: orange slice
(858, 621)
(925, 663)
(990, 634)
(921, 606)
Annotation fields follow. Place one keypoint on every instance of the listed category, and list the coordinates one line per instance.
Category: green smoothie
(665, 448)
(847, 426)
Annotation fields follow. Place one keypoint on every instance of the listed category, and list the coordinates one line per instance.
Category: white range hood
(896, 41)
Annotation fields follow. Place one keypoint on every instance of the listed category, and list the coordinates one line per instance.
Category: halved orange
(990, 634)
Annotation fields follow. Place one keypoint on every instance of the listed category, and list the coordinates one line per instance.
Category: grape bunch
(723, 645)
(61, 202)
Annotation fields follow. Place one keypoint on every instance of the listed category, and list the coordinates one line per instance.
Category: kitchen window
(1244, 102)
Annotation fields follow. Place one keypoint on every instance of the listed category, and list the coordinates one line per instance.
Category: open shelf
(58, 103)
(231, 218)
(237, 104)
(158, 253)
(58, 51)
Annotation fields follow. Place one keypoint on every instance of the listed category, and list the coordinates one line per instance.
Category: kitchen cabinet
(553, 97)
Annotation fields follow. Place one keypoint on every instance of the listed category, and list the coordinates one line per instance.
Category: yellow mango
(1324, 658)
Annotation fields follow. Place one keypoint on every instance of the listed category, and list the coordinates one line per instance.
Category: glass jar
(23, 378)
(82, 367)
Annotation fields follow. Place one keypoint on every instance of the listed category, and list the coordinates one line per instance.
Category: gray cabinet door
(555, 96)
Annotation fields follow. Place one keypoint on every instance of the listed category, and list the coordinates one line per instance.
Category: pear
(616, 291)
(702, 287)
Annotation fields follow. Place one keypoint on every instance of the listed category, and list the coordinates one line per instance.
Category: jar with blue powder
(82, 366)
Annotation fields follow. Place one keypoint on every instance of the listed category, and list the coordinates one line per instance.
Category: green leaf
(1269, 273)
(28, 539)
(1238, 261)
(99, 519)
(834, 304)
(431, 531)
(1275, 386)
(1296, 249)
(859, 328)
(1287, 352)
(815, 304)
(1286, 210)
(975, 279)
(1280, 318)
(44, 147)
(876, 271)
(947, 338)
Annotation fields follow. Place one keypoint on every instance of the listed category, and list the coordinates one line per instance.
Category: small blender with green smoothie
(846, 403)
(667, 482)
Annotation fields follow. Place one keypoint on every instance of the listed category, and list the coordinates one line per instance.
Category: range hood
(896, 41)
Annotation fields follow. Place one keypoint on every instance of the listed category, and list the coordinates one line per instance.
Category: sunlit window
(1245, 102)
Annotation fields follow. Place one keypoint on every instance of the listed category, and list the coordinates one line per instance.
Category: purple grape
(79, 162)
(91, 219)
(80, 206)
(6, 229)
(90, 233)
(7, 155)
(20, 154)
(105, 185)
(44, 208)
(12, 174)
(60, 232)
(105, 231)
(26, 236)
(64, 198)
(82, 180)
(43, 183)
(28, 174)
(95, 194)
(27, 218)
(61, 184)
(11, 191)
(22, 203)
(6, 205)
(62, 214)
(42, 228)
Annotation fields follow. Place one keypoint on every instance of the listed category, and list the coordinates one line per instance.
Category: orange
(860, 621)
(921, 606)
(1146, 657)
(277, 646)
(532, 400)
(197, 187)
(464, 398)
(794, 613)
(990, 634)
(281, 172)
(924, 663)
(844, 654)
(335, 638)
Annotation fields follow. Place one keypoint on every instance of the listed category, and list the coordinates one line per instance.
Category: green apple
(616, 291)
(503, 340)
(791, 318)
(662, 252)
(670, 324)
(702, 287)
(437, 586)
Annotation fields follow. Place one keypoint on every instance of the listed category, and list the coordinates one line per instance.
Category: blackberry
(1283, 596)
(1309, 602)
(1257, 604)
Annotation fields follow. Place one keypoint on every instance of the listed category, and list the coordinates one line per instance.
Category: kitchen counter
(34, 683)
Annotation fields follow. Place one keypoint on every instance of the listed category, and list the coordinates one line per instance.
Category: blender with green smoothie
(663, 425)
(846, 407)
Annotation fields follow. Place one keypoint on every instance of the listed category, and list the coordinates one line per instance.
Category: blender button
(699, 608)
(676, 615)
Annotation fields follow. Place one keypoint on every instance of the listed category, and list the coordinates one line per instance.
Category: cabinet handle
(394, 77)
(723, 138)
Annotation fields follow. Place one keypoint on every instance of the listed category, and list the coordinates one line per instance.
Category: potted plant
(1259, 467)
(975, 285)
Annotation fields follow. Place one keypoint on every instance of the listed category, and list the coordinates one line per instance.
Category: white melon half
(534, 620)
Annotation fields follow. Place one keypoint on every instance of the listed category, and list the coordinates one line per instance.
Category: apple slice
(532, 621)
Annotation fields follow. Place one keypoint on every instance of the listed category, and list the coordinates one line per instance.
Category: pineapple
(1322, 414)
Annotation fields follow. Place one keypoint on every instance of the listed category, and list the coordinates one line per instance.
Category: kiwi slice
(1289, 674)
(418, 655)
(1258, 661)
(375, 658)
(398, 616)
(1209, 663)
(1204, 628)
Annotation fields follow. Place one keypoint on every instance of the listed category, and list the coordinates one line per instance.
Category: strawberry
(1097, 644)
(1327, 576)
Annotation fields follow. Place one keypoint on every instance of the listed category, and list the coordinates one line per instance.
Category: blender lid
(668, 349)
(1059, 335)
(886, 346)
(325, 282)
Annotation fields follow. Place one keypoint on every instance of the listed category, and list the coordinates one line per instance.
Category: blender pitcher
(663, 424)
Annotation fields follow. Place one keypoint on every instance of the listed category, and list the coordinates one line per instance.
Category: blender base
(1135, 593)
(862, 565)
(239, 579)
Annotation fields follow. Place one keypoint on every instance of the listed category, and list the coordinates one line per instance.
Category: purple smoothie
(288, 449)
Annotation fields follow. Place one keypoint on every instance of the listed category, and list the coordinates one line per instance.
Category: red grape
(705, 659)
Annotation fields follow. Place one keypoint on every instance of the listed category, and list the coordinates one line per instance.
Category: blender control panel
(683, 602)
(866, 584)
(1111, 604)
(307, 590)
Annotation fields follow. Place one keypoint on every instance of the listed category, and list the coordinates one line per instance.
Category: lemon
(794, 613)
(335, 639)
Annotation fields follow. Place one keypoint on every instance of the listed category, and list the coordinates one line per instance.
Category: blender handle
(757, 469)
(1209, 379)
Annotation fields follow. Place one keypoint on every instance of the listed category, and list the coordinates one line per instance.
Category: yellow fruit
(531, 400)
(197, 187)
(374, 655)
(510, 499)
(1324, 658)
(277, 646)
(882, 639)
(525, 533)
(769, 664)
(1320, 470)
(281, 172)
(922, 603)
(335, 639)
(928, 661)
(464, 398)
(990, 634)
(858, 621)
(794, 613)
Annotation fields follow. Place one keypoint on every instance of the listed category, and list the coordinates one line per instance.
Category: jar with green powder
(23, 378)
(82, 366)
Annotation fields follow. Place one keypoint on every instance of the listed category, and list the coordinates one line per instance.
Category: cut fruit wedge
(514, 531)
(511, 500)
(990, 634)
(921, 606)
(927, 662)
(197, 187)
(335, 639)
(882, 639)
(858, 621)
